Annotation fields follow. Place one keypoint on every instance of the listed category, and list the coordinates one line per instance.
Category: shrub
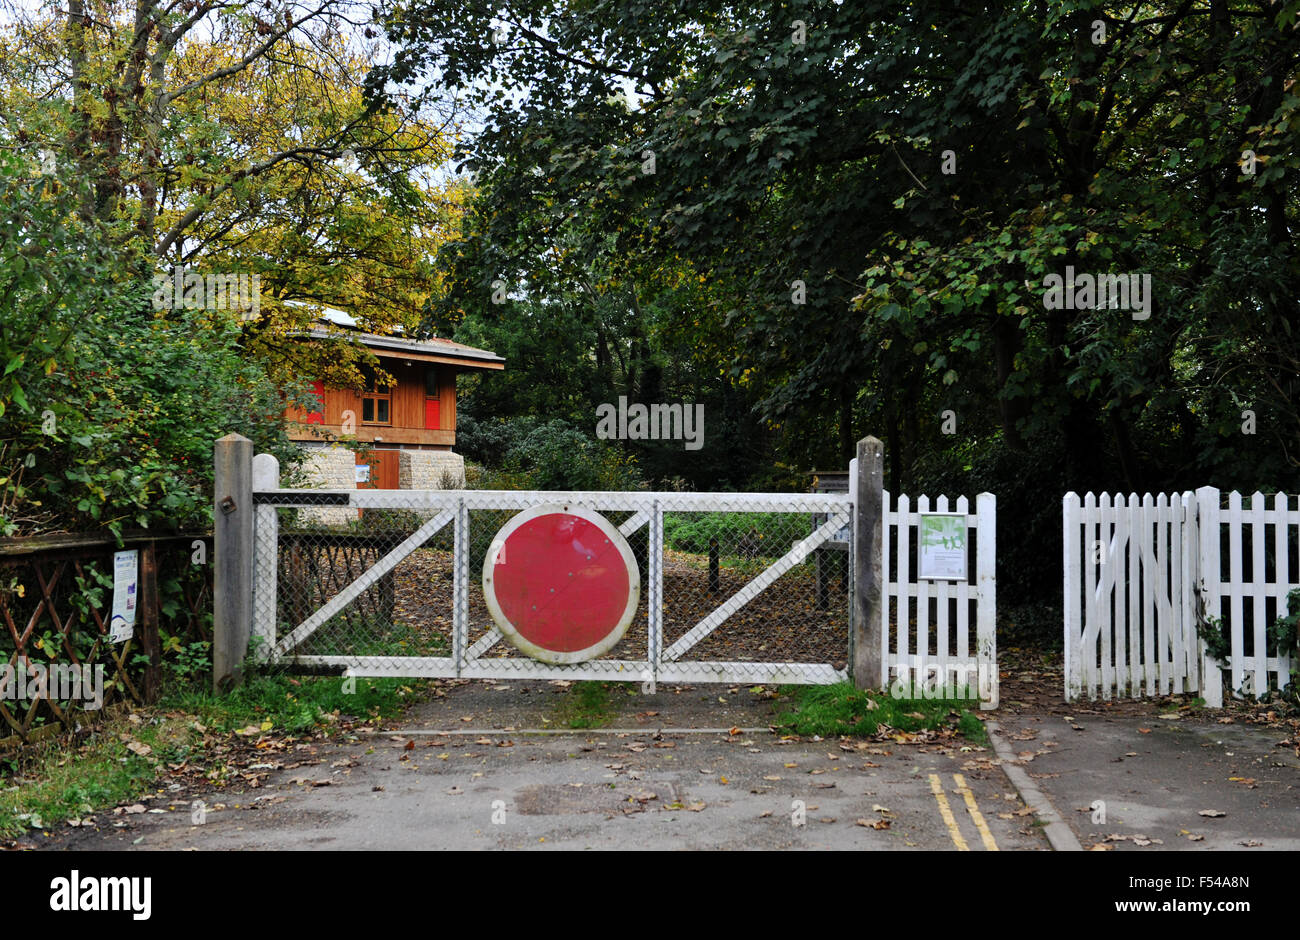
(557, 456)
(770, 534)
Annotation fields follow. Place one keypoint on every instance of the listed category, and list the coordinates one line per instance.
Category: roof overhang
(437, 351)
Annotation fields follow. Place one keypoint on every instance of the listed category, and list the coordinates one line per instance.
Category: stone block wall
(329, 468)
(430, 470)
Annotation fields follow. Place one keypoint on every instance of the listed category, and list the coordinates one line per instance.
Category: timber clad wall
(411, 408)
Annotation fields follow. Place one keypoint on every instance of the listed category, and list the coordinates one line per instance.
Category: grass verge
(123, 758)
(297, 705)
(841, 709)
(118, 762)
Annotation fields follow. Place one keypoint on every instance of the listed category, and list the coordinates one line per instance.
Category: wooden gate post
(868, 500)
(232, 550)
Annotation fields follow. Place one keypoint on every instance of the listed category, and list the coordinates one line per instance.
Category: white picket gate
(926, 625)
(1130, 570)
(1140, 573)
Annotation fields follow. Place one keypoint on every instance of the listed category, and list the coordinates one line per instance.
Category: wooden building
(409, 427)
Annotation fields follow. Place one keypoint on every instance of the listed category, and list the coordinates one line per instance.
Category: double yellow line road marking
(945, 810)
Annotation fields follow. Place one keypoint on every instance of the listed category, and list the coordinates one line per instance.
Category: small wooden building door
(377, 470)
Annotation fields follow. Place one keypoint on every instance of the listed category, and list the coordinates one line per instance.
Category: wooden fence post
(232, 549)
(150, 619)
(986, 636)
(865, 665)
(714, 583)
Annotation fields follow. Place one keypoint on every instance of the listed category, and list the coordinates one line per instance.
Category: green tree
(1095, 135)
(107, 419)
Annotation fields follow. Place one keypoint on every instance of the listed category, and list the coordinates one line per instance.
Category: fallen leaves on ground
(873, 823)
(1136, 839)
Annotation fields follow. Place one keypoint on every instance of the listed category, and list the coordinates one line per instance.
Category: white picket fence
(1141, 571)
(1252, 581)
(926, 625)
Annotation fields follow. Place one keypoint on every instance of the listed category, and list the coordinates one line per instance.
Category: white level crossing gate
(374, 582)
(647, 587)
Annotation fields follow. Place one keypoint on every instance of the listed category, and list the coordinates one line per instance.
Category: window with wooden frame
(376, 400)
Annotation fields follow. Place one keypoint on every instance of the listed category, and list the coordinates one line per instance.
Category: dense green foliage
(547, 455)
(757, 534)
(140, 138)
(822, 161)
(109, 410)
(828, 220)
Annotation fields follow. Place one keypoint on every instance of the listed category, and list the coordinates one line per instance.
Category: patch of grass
(972, 729)
(297, 704)
(587, 704)
(832, 710)
(53, 783)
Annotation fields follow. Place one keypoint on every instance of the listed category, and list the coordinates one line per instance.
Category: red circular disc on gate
(561, 583)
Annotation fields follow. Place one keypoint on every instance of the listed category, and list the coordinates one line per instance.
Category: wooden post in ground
(150, 617)
(820, 563)
(232, 551)
(986, 636)
(868, 502)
